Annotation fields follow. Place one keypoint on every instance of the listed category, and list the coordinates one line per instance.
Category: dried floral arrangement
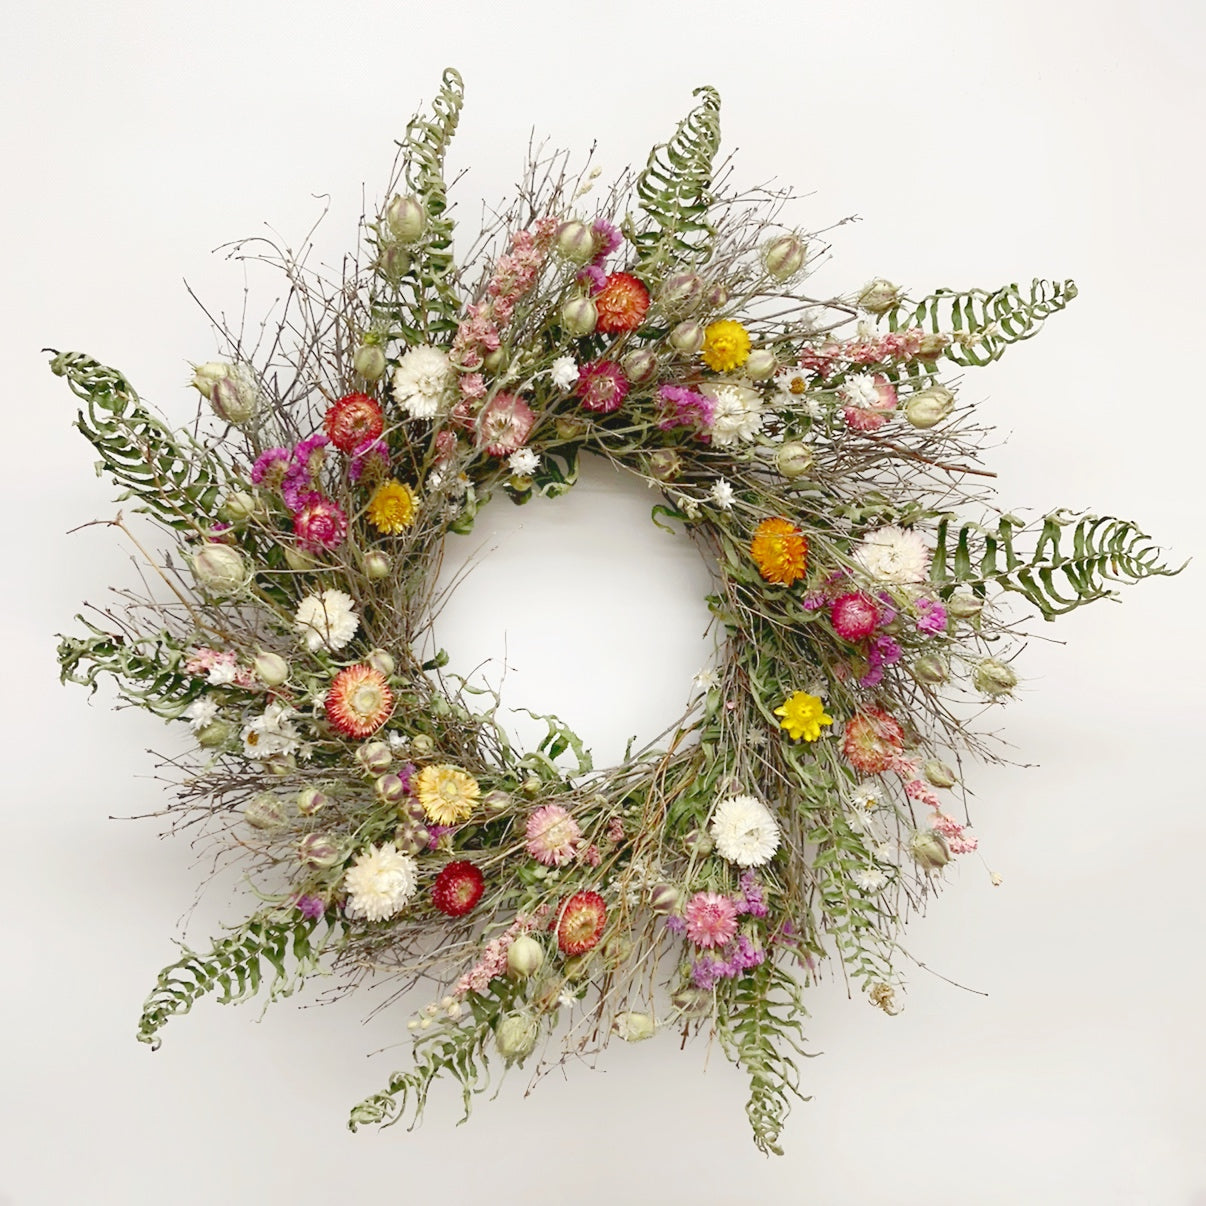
(814, 450)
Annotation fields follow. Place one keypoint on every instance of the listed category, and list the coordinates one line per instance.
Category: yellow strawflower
(803, 715)
(447, 793)
(726, 345)
(392, 507)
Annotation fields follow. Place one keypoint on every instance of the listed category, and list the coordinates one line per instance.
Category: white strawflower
(564, 372)
(722, 494)
(737, 413)
(271, 735)
(859, 391)
(327, 619)
(744, 831)
(380, 882)
(524, 463)
(200, 712)
(221, 673)
(894, 554)
(870, 879)
(423, 381)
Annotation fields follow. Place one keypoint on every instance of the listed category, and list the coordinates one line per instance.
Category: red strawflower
(621, 304)
(873, 741)
(854, 616)
(580, 922)
(354, 420)
(457, 889)
(359, 701)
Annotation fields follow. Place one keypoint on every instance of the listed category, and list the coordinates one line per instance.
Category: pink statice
(887, 348)
(494, 958)
(504, 425)
(958, 840)
(270, 467)
(320, 524)
(310, 907)
(590, 855)
(733, 961)
(593, 277)
(473, 386)
(931, 616)
(615, 830)
(854, 616)
(682, 407)
(922, 792)
(752, 901)
(602, 386)
(552, 836)
(711, 919)
(220, 668)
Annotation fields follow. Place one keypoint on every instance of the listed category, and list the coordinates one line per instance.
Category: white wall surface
(980, 143)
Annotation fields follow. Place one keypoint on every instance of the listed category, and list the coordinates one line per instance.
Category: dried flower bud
(794, 459)
(698, 843)
(718, 297)
(531, 786)
(691, 1000)
(994, 678)
(496, 801)
(929, 406)
(390, 788)
(783, 256)
(215, 734)
(310, 800)
(377, 566)
(687, 337)
(422, 744)
(381, 661)
(298, 561)
(239, 506)
(515, 1036)
(571, 427)
(963, 605)
(375, 757)
(318, 850)
(221, 570)
(681, 292)
(928, 849)
(664, 464)
(524, 957)
(664, 898)
(407, 218)
(496, 360)
(235, 398)
(761, 364)
(412, 837)
(639, 365)
(931, 668)
(204, 376)
(633, 1027)
(575, 242)
(879, 296)
(939, 774)
(933, 344)
(394, 262)
(369, 362)
(271, 669)
(579, 316)
(264, 811)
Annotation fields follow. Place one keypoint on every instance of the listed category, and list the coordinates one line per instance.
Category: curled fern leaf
(1055, 578)
(234, 967)
(985, 323)
(674, 191)
(141, 454)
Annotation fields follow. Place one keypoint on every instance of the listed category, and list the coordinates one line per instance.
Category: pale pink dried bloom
(711, 919)
(552, 836)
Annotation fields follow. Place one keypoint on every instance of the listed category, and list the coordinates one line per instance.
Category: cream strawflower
(380, 883)
(737, 413)
(423, 381)
(894, 554)
(525, 462)
(564, 372)
(327, 620)
(722, 494)
(744, 831)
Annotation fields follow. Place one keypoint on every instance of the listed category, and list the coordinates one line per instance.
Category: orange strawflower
(779, 550)
(622, 304)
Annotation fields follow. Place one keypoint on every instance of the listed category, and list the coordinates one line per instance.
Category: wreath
(815, 451)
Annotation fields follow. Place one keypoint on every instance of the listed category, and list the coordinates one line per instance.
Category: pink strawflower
(867, 401)
(504, 424)
(320, 524)
(854, 616)
(552, 836)
(602, 386)
(711, 919)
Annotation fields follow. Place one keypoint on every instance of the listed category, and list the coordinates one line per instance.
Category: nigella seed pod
(794, 459)
(681, 292)
(933, 344)
(579, 317)
(394, 262)
(496, 802)
(575, 241)
(963, 605)
(664, 898)
(698, 843)
(784, 256)
(239, 506)
(422, 744)
(494, 360)
(271, 669)
(390, 788)
(369, 362)
(524, 957)
(718, 297)
(235, 399)
(879, 296)
(691, 1001)
(639, 365)
(931, 668)
(531, 786)
(939, 774)
(571, 427)
(414, 810)
(664, 464)
(375, 757)
(221, 570)
(411, 838)
(381, 661)
(407, 218)
(993, 678)
(928, 849)
(265, 811)
(215, 734)
(928, 407)
(687, 337)
(310, 800)
(515, 1036)
(377, 566)
(633, 1027)
(204, 376)
(297, 561)
(761, 365)
(318, 850)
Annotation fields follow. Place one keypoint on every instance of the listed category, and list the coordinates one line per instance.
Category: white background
(980, 144)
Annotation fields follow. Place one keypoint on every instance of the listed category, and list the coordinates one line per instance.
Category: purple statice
(931, 618)
(310, 907)
(607, 239)
(270, 467)
(372, 454)
(676, 925)
(407, 774)
(884, 651)
(741, 955)
(752, 900)
(593, 277)
(437, 832)
(705, 971)
(683, 407)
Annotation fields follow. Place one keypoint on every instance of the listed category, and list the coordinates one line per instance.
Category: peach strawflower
(779, 550)
(621, 304)
(873, 741)
(552, 836)
(359, 701)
